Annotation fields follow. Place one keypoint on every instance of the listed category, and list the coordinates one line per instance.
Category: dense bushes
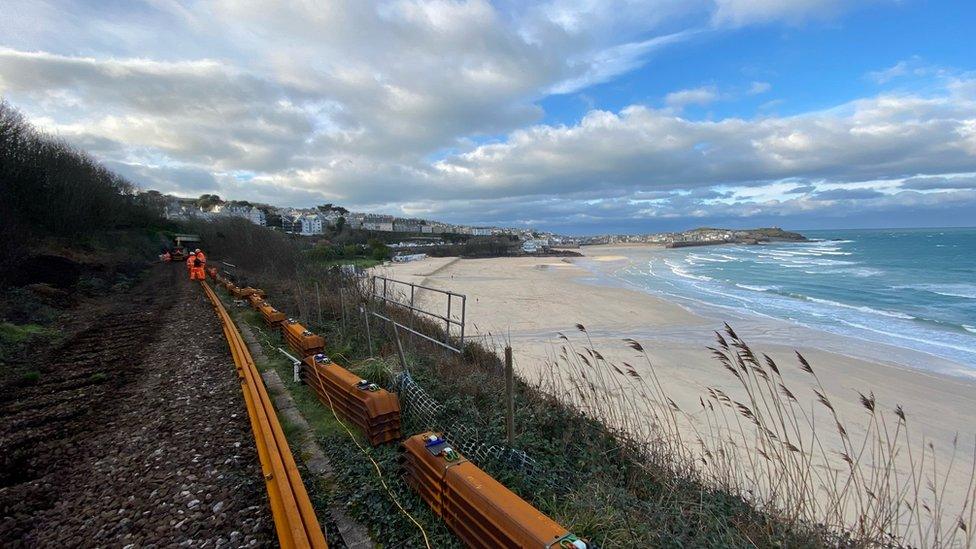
(328, 252)
(248, 246)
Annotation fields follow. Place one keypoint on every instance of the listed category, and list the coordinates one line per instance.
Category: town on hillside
(320, 219)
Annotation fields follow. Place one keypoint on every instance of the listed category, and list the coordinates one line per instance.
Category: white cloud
(914, 66)
(694, 96)
(757, 88)
(737, 13)
(644, 148)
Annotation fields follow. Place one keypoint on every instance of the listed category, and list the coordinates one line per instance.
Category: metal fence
(398, 293)
(429, 413)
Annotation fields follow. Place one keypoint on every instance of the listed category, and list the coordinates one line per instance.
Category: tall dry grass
(781, 446)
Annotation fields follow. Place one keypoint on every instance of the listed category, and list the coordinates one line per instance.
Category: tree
(378, 250)
(340, 223)
(206, 202)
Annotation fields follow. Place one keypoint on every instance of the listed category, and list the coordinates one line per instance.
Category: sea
(912, 289)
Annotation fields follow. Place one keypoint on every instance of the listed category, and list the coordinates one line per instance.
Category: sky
(576, 116)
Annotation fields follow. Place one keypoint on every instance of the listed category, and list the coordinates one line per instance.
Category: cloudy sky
(580, 116)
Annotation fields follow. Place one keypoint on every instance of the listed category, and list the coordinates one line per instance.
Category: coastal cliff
(707, 236)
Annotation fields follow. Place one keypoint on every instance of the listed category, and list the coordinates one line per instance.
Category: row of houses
(179, 210)
(316, 221)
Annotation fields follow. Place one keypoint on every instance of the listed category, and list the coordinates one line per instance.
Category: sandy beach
(529, 301)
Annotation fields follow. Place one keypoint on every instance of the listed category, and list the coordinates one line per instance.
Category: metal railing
(398, 293)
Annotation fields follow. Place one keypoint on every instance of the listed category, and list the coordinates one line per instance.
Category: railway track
(294, 517)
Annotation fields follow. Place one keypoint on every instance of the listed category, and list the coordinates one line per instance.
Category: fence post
(369, 340)
(509, 397)
(464, 303)
(318, 302)
(403, 357)
(342, 309)
(447, 336)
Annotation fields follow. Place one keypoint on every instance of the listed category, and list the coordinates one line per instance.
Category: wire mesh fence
(424, 410)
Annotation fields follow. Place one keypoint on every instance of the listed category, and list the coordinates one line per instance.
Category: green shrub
(32, 376)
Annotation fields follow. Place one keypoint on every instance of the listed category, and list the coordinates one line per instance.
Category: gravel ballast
(160, 455)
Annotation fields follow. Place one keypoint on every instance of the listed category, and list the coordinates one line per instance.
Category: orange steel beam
(294, 517)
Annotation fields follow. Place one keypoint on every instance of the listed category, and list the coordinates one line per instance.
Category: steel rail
(291, 508)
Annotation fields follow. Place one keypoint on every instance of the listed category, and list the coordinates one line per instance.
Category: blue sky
(578, 116)
(810, 65)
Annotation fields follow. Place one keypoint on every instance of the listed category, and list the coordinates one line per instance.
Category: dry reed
(794, 458)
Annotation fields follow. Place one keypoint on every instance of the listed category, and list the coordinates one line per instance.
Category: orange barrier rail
(301, 340)
(240, 293)
(294, 517)
(255, 301)
(272, 317)
(476, 507)
(374, 410)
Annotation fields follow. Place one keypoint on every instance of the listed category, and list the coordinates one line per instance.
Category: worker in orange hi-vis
(201, 256)
(196, 270)
(189, 261)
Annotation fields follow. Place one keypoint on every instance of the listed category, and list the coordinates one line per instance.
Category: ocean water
(911, 288)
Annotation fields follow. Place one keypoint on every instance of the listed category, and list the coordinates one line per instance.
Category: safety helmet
(193, 253)
(197, 250)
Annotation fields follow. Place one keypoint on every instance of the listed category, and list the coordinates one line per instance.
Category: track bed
(135, 432)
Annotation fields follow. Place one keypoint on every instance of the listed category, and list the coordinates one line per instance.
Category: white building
(312, 224)
(386, 226)
(534, 246)
(481, 231)
(257, 217)
(406, 258)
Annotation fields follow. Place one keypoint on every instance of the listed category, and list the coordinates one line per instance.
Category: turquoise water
(912, 288)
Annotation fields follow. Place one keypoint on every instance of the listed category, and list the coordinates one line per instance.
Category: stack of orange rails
(230, 287)
(243, 293)
(374, 410)
(476, 507)
(301, 340)
(255, 301)
(272, 317)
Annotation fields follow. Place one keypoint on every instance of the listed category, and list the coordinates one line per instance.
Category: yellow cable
(376, 466)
